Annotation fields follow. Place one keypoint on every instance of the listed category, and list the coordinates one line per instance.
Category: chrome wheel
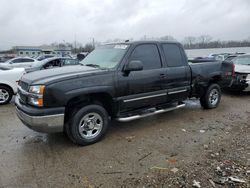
(4, 96)
(214, 96)
(90, 125)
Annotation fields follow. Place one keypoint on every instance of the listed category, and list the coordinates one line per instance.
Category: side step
(131, 118)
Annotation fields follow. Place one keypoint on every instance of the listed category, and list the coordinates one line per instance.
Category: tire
(6, 95)
(88, 125)
(211, 98)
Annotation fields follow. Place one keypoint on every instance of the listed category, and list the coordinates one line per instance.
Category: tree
(88, 47)
(167, 38)
(205, 39)
(189, 41)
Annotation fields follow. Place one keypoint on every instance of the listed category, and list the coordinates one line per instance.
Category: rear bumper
(40, 121)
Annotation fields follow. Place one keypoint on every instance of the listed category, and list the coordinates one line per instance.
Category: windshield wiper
(93, 65)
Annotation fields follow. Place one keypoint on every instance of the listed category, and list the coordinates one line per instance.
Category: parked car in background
(9, 78)
(201, 60)
(53, 62)
(82, 55)
(4, 58)
(23, 62)
(230, 57)
(241, 81)
(219, 57)
(42, 57)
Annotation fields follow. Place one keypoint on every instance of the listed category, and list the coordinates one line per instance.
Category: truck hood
(242, 68)
(55, 74)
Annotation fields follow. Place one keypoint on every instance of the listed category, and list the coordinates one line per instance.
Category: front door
(143, 88)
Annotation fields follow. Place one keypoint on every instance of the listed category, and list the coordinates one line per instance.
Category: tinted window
(173, 55)
(17, 61)
(149, 56)
(27, 60)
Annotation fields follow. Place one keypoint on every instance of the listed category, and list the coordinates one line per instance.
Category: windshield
(242, 60)
(107, 56)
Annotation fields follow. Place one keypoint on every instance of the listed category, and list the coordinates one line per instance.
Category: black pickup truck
(124, 81)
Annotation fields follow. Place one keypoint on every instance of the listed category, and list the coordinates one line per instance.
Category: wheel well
(5, 85)
(78, 102)
(214, 80)
(202, 89)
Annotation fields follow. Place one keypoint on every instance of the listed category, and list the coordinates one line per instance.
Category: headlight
(39, 89)
(36, 95)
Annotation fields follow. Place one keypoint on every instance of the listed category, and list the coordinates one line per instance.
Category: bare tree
(167, 38)
(190, 40)
(88, 47)
(205, 39)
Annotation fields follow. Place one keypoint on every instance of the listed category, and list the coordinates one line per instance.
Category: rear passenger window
(17, 61)
(173, 55)
(149, 56)
(27, 60)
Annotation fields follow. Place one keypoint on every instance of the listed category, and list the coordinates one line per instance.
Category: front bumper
(240, 83)
(248, 87)
(40, 121)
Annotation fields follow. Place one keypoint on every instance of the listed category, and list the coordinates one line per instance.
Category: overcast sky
(34, 22)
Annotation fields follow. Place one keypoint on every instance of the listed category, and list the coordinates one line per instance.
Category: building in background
(34, 51)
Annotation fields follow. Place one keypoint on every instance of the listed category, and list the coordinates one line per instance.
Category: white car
(242, 73)
(9, 78)
(23, 62)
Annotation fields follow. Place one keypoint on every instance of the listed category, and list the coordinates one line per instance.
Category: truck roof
(145, 42)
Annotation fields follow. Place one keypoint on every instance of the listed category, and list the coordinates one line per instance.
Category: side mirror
(133, 66)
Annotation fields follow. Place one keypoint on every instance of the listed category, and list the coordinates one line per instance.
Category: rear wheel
(211, 98)
(6, 95)
(88, 125)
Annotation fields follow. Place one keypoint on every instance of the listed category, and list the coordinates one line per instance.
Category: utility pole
(93, 42)
(75, 43)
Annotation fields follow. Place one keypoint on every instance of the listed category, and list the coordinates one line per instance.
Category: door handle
(162, 76)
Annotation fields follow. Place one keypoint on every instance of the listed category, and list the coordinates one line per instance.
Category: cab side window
(173, 55)
(148, 54)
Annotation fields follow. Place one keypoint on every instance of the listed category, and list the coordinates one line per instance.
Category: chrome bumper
(45, 124)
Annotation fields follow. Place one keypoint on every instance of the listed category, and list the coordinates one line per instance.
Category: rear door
(178, 76)
(143, 88)
(26, 62)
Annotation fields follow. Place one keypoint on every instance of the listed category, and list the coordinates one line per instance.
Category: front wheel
(212, 97)
(5, 95)
(88, 125)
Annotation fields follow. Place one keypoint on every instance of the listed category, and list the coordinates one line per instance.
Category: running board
(131, 118)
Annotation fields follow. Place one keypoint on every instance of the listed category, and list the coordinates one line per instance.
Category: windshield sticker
(121, 46)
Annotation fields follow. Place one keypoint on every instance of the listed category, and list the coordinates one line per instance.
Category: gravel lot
(175, 149)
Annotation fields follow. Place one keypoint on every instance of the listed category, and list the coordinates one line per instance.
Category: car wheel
(6, 95)
(88, 125)
(211, 98)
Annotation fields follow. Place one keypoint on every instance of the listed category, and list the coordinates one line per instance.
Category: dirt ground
(207, 148)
